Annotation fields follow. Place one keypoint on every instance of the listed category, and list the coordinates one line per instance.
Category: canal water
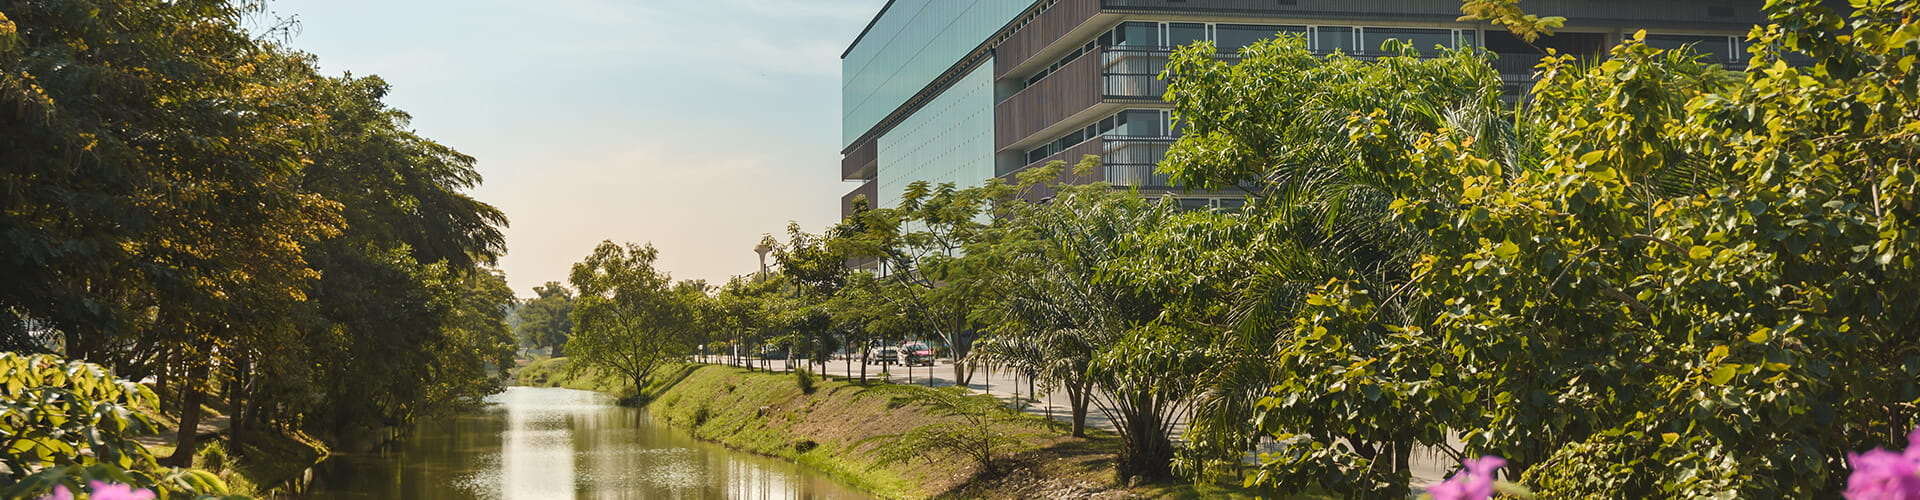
(548, 443)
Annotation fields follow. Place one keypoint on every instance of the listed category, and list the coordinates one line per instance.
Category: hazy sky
(695, 125)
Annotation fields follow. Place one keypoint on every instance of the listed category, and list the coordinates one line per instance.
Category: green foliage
(547, 320)
(1507, 14)
(1318, 219)
(1081, 298)
(65, 422)
(979, 429)
(804, 380)
(630, 318)
(1657, 280)
(921, 244)
(59, 413)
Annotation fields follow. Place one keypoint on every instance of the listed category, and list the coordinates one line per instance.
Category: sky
(695, 125)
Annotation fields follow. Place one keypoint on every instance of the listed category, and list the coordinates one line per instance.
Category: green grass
(833, 429)
(552, 372)
(767, 414)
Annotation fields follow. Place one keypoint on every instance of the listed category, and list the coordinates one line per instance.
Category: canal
(547, 443)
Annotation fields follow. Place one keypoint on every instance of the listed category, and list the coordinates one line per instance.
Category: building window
(1424, 40)
(1332, 38)
(1184, 34)
(1232, 37)
(1712, 47)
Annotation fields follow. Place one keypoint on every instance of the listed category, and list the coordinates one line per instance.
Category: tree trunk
(188, 433)
(1146, 451)
(1077, 401)
(863, 364)
(1402, 458)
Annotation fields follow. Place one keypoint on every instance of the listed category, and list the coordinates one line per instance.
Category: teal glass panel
(950, 139)
(909, 44)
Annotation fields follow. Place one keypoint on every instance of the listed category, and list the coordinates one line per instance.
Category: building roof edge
(863, 31)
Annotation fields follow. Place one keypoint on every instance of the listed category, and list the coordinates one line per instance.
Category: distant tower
(762, 249)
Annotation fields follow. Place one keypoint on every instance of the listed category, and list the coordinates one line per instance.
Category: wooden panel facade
(1072, 89)
(870, 190)
(1042, 32)
(860, 161)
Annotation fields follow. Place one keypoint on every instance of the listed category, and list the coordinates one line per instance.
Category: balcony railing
(1129, 73)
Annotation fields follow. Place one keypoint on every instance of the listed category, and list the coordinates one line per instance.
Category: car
(883, 355)
(917, 354)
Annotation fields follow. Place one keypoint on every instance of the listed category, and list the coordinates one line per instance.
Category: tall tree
(547, 320)
(630, 319)
(921, 247)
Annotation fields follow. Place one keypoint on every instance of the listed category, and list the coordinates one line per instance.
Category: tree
(201, 206)
(630, 318)
(1667, 283)
(547, 320)
(920, 244)
(1076, 301)
(1324, 198)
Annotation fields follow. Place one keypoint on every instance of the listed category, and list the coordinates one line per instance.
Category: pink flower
(1474, 483)
(102, 491)
(108, 491)
(59, 493)
(1884, 475)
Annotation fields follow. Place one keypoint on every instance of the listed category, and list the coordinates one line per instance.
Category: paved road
(1427, 468)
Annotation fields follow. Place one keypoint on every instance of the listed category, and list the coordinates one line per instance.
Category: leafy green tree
(921, 247)
(200, 206)
(630, 318)
(1323, 197)
(1683, 285)
(547, 320)
(1076, 302)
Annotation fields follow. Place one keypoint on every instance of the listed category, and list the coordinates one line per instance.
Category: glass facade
(909, 45)
(950, 139)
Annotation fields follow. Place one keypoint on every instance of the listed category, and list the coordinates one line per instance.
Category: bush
(805, 380)
(72, 422)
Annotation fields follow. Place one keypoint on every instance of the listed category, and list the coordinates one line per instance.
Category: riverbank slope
(836, 428)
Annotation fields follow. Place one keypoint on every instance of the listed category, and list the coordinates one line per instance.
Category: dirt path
(209, 425)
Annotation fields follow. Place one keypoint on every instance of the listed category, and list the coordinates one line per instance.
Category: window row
(1149, 123)
(1062, 62)
(1713, 47)
(1229, 37)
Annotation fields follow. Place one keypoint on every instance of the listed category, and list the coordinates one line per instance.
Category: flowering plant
(1884, 475)
(1476, 482)
(102, 491)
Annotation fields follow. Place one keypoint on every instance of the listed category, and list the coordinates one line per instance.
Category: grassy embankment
(835, 428)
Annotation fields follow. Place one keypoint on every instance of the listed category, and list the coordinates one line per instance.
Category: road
(1428, 468)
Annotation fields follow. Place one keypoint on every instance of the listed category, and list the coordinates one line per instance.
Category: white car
(883, 355)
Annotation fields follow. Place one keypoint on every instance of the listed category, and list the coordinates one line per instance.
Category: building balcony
(861, 161)
(1065, 95)
(1027, 45)
(869, 191)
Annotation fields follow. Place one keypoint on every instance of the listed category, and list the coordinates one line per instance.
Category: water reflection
(542, 443)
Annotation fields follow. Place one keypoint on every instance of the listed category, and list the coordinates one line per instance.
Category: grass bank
(835, 428)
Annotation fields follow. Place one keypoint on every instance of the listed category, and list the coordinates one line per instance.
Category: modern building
(966, 90)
